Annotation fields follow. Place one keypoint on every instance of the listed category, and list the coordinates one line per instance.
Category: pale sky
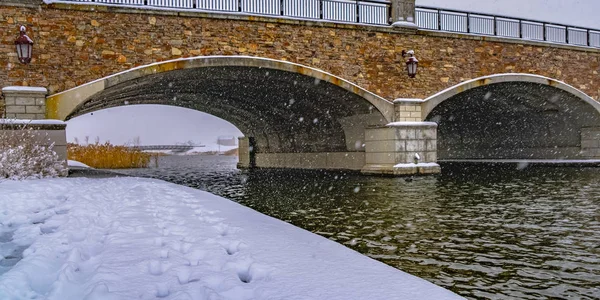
(170, 125)
(153, 124)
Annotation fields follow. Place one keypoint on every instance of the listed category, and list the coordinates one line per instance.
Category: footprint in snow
(156, 267)
(232, 247)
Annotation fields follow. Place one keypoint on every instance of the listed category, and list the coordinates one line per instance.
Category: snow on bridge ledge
(133, 238)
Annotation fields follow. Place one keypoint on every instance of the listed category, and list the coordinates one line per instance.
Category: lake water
(482, 231)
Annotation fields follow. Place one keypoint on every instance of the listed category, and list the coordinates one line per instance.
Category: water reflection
(495, 233)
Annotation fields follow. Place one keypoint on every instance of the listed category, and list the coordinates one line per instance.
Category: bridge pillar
(246, 153)
(408, 110)
(590, 142)
(401, 148)
(403, 14)
(24, 102)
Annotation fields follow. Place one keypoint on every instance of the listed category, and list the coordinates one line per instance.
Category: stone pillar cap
(408, 100)
(412, 124)
(25, 89)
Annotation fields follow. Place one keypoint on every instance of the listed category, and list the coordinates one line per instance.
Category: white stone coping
(412, 124)
(25, 90)
(408, 100)
(31, 122)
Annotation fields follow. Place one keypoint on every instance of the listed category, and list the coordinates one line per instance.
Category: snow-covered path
(132, 238)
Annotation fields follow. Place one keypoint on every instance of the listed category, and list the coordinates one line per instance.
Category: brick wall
(76, 47)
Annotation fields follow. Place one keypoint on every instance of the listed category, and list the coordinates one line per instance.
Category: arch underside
(286, 112)
(512, 120)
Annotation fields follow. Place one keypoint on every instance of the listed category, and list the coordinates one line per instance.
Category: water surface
(483, 232)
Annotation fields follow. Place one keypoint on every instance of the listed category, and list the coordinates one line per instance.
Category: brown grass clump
(108, 156)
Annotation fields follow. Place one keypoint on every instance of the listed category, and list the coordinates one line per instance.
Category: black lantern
(411, 63)
(24, 46)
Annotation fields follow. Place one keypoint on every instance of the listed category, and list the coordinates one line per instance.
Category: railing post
(439, 13)
(567, 34)
(544, 32)
(520, 29)
(468, 23)
(357, 12)
(495, 26)
(281, 7)
(589, 42)
(320, 9)
(240, 5)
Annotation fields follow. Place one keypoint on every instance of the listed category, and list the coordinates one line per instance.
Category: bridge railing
(377, 12)
(364, 11)
(475, 23)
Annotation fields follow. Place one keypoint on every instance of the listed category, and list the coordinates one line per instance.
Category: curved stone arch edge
(61, 105)
(433, 101)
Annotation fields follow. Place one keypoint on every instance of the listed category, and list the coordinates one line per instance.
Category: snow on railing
(476, 23)
(374, 12)
(378, 12)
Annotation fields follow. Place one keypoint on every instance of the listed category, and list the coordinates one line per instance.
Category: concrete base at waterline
(401, 170)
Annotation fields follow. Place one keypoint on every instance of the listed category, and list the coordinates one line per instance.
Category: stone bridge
(312, 93)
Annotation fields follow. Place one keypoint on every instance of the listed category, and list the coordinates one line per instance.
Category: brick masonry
(76, 47)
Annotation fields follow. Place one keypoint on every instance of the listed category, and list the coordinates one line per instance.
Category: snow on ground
(74, 163)
(133, 238)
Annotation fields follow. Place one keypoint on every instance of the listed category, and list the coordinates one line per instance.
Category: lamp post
(411, 63)
(24, 46)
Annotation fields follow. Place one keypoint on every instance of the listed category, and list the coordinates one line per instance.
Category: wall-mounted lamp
(24, 46)
(411, 63)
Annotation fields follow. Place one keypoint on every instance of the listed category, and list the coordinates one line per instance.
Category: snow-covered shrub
(23, 157)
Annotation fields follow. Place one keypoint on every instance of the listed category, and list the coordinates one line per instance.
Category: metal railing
(377, 12)
(475, 23)
(374, 12)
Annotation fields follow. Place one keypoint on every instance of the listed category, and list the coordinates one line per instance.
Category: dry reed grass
(108, 156)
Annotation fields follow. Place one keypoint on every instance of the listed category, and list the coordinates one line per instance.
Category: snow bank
(77, 164)
(32, 122)
(132, 238)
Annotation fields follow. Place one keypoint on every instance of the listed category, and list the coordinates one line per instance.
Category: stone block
(428, 170)
(590, 134)
(380, 158)
(415, 145)
(15, 109)
(380, 146)
(35, 109)
(585, 144)
(40, 101)
(401, 157)
(25, 116)
(24, 101)
(401, 146)
(9, 101)
(380, 134)
(431, 145)
(347, 160)
(430, 133)
(431, 157)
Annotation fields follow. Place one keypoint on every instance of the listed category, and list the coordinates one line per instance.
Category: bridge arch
(288, 107)
(513, 116)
